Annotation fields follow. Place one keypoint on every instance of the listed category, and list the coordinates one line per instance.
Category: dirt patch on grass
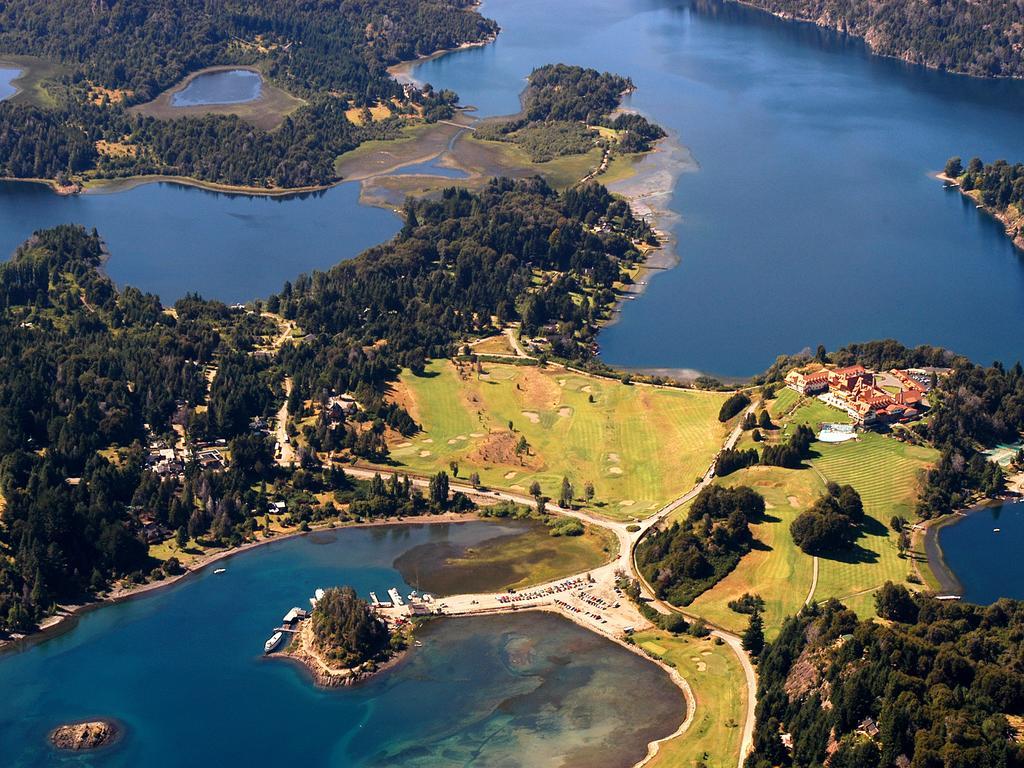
(794, 502)
(500, 448)
(538, 390)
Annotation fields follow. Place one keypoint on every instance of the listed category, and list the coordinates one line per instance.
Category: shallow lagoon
(232, 86)
(182, 670)
(7, 76)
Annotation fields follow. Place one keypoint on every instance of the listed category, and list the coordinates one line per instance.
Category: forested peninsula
(334, 56)
(979, 39)
(124, 422)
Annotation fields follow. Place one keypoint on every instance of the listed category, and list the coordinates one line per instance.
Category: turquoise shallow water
(233, 86)
(986, 562)
(182, 669)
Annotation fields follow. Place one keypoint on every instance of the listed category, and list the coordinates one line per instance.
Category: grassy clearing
(887, 474)
(493, 345)
(776, 569)
(714, 675)
(490, 158)
(640, 446)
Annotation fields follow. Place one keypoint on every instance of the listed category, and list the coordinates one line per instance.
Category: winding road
(615, 617)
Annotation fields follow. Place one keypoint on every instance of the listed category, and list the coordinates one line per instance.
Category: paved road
(613, 615)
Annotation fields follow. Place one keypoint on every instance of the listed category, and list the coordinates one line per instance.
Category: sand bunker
(613, 458)
(564, 411)
(627, 503)
(533, 416)
(510, 475)
(476, 434)
(404, 445)
(424, 454)
(702, 667)
(793, 502)
(427, 440)
(614, 470)
(586, 388)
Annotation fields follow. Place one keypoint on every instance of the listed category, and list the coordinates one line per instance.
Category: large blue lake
(810, 215)
(182, 670)
(231, 86)
(986, 561)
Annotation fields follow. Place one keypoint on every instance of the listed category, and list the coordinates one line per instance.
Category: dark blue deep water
(232, 86)
(171, 239)
(986, 562)
(811, 216)
(182, 670)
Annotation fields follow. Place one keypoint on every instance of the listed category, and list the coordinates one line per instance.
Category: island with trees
(569, 110)
(84, 124)
(997, 188)
(979, 39)
(343, 641)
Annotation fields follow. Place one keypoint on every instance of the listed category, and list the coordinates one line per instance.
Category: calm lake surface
(171, 239)
(233, 86)
(986, 563)
(811, 216)
(7, 74)
(182, 669)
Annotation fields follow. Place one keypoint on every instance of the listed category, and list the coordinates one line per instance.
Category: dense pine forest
(936, 684)
(333, 54)
(980, 39)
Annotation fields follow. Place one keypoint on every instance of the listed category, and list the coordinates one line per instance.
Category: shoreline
(402, 71)
(935, 560)
(58, 624)
(1008, 223)
(127, 183)
(789, 17)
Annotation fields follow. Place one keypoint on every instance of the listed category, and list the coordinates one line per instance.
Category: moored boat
(273, 642)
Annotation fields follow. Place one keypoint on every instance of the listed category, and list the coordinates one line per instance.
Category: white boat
(273, 642)
(396, 599)
(220, 570)
(319, 594)
(373, 598)
(995, 530)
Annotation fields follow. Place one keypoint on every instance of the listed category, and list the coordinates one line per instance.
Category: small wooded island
(343, 641)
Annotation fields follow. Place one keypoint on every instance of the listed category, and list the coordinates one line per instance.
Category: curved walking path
(814, 583)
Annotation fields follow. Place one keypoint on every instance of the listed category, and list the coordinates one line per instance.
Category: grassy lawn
(783, 402)
(887, 474)
(640, 446)
(776, 569)
(493, 345)
(714, 674)
(813, 412)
